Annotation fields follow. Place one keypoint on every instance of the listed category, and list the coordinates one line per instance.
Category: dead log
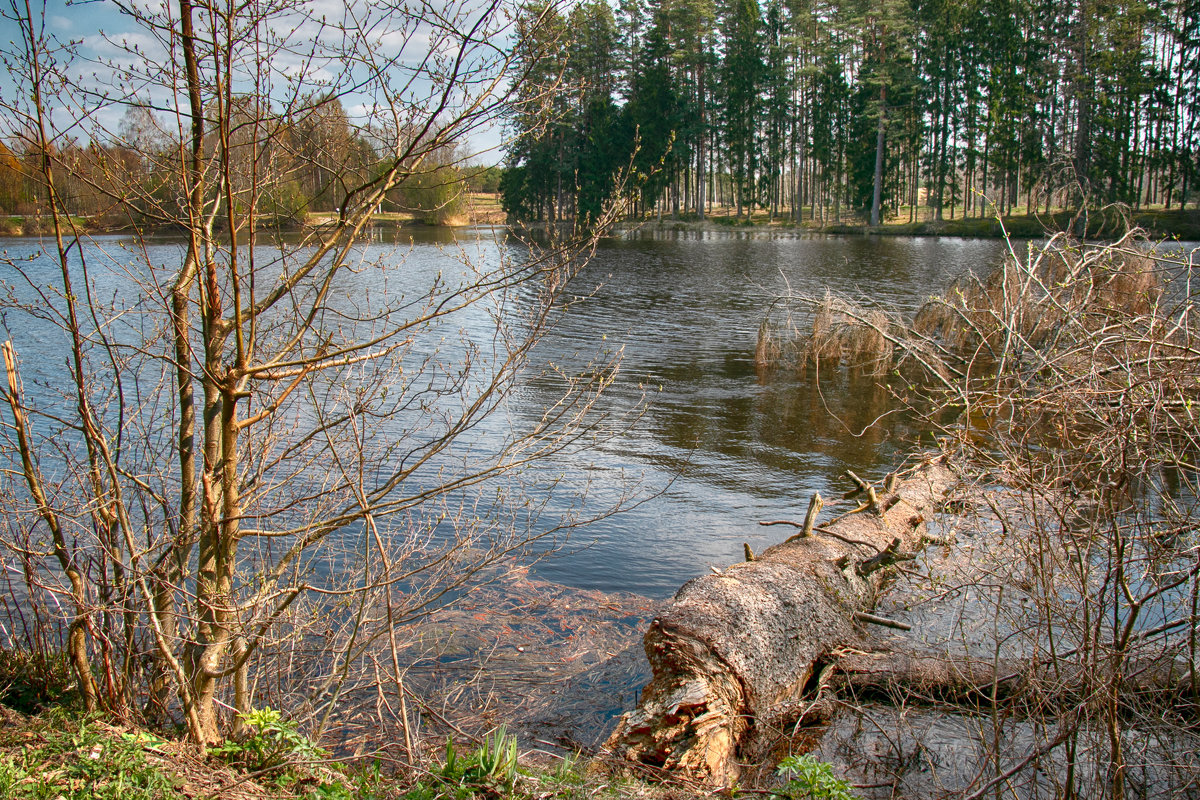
(742, 646)
(1052, 683)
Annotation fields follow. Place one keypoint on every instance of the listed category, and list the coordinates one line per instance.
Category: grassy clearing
(478, 208)
(62, 754)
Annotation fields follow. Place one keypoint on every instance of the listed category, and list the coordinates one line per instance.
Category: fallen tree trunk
(1062, 683)
(737, 650)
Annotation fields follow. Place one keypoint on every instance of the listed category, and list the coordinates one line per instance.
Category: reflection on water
(725, 447)
(889, 752)
(730, 448)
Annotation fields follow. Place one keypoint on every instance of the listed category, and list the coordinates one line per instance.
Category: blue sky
(118, 56)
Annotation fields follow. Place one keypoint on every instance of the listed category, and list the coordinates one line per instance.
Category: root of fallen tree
(735, 653)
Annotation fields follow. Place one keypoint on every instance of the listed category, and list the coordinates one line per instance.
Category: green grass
(69, 755)
(77, 758)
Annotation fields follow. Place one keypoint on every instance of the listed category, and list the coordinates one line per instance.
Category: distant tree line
(316, 159)
(822, 108)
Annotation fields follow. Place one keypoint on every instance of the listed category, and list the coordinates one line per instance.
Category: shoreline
(1175, 224)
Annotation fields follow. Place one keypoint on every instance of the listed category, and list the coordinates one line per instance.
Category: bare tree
(265, 450)
(1064, 384)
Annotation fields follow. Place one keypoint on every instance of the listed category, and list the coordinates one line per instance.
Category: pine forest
(827, 110)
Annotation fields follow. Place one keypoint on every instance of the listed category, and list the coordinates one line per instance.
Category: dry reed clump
(1030, 304)
(778, 342)
(1033, 308)
(1089, 355)
(840, 334)
(769, 348)
(844, 334)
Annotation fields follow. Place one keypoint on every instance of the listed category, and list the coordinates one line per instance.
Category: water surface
(732, 448)
(719, 447)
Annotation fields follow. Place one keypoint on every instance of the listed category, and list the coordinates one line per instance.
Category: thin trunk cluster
(253, 433)
(944, 109)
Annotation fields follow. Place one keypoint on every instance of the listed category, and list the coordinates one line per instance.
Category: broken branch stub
(814, 508)
(884, 558)
(738, 648)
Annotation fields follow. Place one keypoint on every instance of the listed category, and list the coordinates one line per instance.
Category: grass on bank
(1104, 223)
(62, 754)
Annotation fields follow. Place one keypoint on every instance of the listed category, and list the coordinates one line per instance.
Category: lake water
(719, 448)
(732, 449)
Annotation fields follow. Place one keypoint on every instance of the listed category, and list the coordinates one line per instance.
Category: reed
(1026, 305)
(834, 333)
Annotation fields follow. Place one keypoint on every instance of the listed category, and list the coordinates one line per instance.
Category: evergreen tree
(601, 142)
(742, 74)
(983, 104)
(777, 90)
(530, 186)
(655, 112)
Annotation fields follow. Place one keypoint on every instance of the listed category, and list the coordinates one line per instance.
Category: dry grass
(834, 333)
(484, 208)
(845, 334)
(1026, 306)
(1028, 302)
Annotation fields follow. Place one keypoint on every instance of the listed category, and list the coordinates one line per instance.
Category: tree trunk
(738, 648)
(877, 186)
(1064, 682)
(700, 150)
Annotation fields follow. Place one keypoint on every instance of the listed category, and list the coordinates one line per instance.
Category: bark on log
(981, 683)
(741, 647)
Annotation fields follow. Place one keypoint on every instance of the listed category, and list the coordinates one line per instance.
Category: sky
(117, 56)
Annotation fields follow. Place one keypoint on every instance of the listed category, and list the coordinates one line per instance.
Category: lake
(732, 449)
(719, 448)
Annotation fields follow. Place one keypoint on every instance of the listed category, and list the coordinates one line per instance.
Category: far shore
(483, 209)
(1106, 224)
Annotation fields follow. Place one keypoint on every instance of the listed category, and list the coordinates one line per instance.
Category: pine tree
(654, 111)
(742, 75)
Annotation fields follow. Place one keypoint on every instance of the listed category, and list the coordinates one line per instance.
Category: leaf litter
(556, 664)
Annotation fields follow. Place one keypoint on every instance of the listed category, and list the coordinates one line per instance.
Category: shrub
(437, 197)
(272, 742)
